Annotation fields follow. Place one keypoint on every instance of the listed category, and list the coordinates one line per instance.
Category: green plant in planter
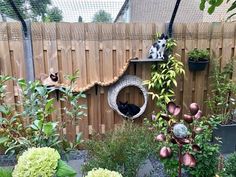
(199, 55)
(222, 101)
(198, 59)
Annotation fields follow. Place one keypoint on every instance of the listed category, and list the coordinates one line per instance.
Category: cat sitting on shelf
(129, 110)
(51, 80)
(157, 51)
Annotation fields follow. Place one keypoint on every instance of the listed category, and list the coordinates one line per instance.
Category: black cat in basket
(127, 109)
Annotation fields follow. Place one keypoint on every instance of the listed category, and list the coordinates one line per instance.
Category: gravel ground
(151, 168)
(159, 168)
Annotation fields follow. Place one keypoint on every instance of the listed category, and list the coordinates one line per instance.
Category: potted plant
(222, 105)
(198, 59)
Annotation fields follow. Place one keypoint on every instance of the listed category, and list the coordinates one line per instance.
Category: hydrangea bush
(37, 162)
(100, 172)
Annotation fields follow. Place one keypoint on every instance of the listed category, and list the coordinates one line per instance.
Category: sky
(72, 9)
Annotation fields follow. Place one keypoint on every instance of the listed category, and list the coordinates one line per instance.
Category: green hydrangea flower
(100, 172)
(37, 162)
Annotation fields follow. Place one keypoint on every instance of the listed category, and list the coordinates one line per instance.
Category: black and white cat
(129, 110)
(51, 79)
(157, 50)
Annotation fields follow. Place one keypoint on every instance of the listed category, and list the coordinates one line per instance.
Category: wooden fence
(102, 53)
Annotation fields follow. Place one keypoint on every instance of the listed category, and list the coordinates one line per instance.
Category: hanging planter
(198, 59)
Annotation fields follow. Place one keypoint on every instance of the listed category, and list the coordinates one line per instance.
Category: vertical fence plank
(16, 58)
(50, 48)
(179, 53)
(64, 45)
(106, 63)
(5, 62)
(147, 34)
(228, 43)
(16, 49)
(37, 45)
(78, 46)
(190, 43)
(79, 62)
(204, 32)
(93, 53)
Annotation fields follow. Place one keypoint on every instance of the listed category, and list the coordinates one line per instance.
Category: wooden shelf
(143, 60)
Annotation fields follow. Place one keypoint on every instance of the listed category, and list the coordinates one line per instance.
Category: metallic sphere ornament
(180, 131)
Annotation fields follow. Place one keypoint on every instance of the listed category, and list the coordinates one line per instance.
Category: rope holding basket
(127, 81)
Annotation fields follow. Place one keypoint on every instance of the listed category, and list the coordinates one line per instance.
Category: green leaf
(231, 16)
(218, 2)
(3, 109)
(64, 170)
(211, 9)
(40, 90)
(49, 104)
(48, 128)
(22, 83)
(38, 124)
(232, 7)
(202, 4)
(175, 83)
(3, 140)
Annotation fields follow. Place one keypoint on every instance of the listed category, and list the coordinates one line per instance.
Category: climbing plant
(163, 78)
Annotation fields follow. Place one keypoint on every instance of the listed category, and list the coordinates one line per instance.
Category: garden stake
(180, 160)
(179, 130)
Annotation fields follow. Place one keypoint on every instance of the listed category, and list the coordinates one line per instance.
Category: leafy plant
(222, 99)
(208, 158)
(207, 161)
(191, 136)
(198, 55)
(213, 4)
(122, 150)
(229, 166)
(72, 108)
(43, 162)
(163, 78)
(5, 172)
(37, 106)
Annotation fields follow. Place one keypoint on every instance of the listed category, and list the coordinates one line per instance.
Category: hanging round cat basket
(127, 81)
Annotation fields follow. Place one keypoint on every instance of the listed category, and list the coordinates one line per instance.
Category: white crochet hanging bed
(127, 81)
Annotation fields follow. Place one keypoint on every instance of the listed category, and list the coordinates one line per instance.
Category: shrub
(122, 150)
(43, 162)
(37, 162)
(229, 165)
(221, 100)
(207, 160)
(16, 136)
(100, 172)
